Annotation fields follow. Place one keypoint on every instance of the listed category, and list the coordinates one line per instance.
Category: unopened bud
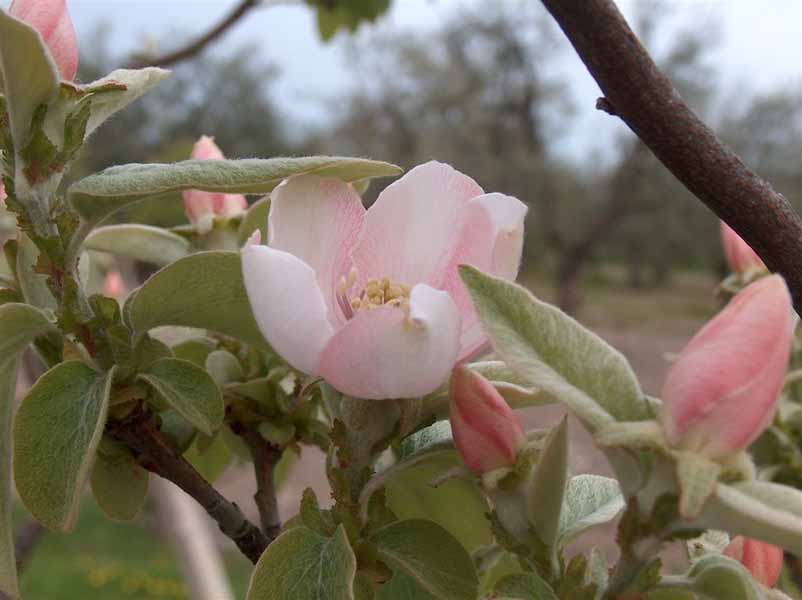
(51, 19)
(762, 560)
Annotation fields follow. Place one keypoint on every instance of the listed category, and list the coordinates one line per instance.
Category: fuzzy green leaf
(429, 554)
(119, 485)
(255, 218)
(303, 565)
(56, 432)
(140, 242)
(204, 290)
(552, 351)
(546, 486)
(523, 586)
(590, 500)
(717, 576)
(188, 389)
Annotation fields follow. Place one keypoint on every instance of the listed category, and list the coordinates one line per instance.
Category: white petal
(508, 215)
(287, 304)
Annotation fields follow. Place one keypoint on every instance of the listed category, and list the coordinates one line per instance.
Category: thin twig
(139, 434)
(644, 98)
(198, 44)
(265, 458)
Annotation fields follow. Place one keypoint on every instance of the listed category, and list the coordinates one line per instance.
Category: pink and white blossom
(486, 431)
(762, 560)
(371, 300)
(740, 256)
(52, 20)
(203, 207)
(723, 389)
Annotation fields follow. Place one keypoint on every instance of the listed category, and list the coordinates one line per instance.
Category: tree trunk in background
(188, 529)
(569, 283)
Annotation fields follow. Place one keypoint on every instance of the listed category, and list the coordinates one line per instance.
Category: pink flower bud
(762, 560)
(740, 255)
(113, 285)
(202, 207)
(486, 431)
(51, 19)
(3, 195)
(723, 389)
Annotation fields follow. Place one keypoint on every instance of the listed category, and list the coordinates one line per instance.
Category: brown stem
(198, 44)
(265, 458)
(644, 98)
(25, 540)
(139, 434)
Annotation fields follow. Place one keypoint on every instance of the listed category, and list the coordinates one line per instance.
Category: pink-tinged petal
(383, 353)
(206, 149)
(740, 255)
(52, 20)
(229, 205)
(318, 220)
(3, 195)
(723, 389)
(410, 228)
(114, 286)
(502, 257)
(762, 560)
(486, 431)
(287, 304)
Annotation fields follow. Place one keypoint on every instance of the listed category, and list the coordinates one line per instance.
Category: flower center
(377, 292)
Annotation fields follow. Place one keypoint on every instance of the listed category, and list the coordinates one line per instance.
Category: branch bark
(198, 44)
(265, 458)
(139, 434)
(645, 99)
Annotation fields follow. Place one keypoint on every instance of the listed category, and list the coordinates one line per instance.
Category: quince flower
(51, 19)
(371, 300)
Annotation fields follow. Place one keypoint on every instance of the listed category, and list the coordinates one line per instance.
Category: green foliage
(546, 488)
(204, 290)
(188, 389)
(30, 78)
(303, 565)
(333, 15)
(139, 242)
(255, 218)
(32, 283)
(56, 432)
(590, 500)
(523, 586)
(430, 555)
(552, 351)
(99, 195)
(697, 477)
(119, 485)
(718, 576)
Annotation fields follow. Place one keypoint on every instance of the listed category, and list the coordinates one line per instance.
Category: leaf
(546, 486)
(204, 290)
(139, 242)
(512, 388)
(188, 389)
(303, 565)
(32, 285)
(29, 75)
(718, 576)
(402, 587)
(255, 218)
(697, 477)
(429, 554)
(224, 367)
(20, 324)
(119, 485)
(56, 432)
(590, 500)
(212, 460)
(99, 195)
(756, 509)
(117, 90)
(523, 586)
(550, 350)
(456, 504)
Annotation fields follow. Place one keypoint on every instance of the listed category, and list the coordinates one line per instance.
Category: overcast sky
(760, 46)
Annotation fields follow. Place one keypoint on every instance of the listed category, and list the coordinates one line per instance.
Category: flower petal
(411, 226)
(508, 215)
(287, 305)
(318, 220)
(383, 353)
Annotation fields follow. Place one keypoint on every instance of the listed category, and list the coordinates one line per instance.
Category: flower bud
(202, 207)
(740, 255)
(3, 195)
(723, 389)
(51, 19)
(486, 431)
(762, 560)
(113, 285)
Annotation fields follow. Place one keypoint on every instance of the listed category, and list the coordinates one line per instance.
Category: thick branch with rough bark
(198, 44)
(138, 433)
(636, 91)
